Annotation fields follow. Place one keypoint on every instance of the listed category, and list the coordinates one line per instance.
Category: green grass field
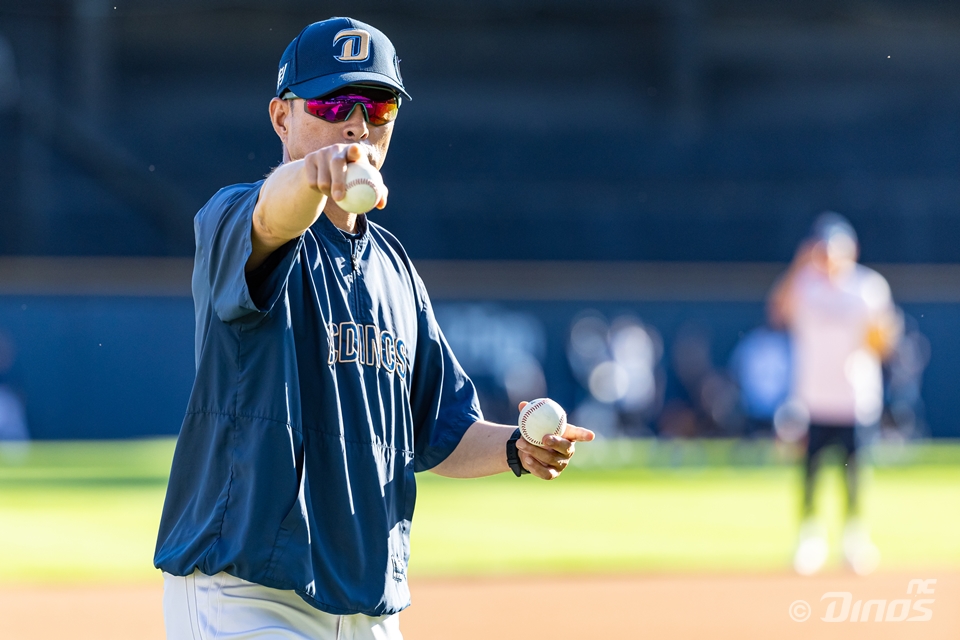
(72, 512)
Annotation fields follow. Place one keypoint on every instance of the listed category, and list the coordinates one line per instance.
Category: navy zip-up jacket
(323, 382)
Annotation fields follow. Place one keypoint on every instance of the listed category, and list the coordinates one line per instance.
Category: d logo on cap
(356, 45)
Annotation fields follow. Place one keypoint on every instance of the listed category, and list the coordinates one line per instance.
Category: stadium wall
(104, 347)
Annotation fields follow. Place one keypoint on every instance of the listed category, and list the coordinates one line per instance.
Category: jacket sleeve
(443, 398)
(223, 236)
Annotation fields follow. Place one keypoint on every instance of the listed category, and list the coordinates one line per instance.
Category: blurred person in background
(617, 364)
(708, 404)
(842, 323)
(14, 435)
(761, 364)
(904, 410)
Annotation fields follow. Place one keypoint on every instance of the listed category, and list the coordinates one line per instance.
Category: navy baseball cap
(335, 53)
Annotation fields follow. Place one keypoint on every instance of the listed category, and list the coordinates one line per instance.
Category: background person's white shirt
(837, 377)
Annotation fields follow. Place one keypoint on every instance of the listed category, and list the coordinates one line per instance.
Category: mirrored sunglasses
(340, 107)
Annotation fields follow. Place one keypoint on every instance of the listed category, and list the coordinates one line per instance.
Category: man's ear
(280, 117)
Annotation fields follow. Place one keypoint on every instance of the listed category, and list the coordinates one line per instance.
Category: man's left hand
(552, 458)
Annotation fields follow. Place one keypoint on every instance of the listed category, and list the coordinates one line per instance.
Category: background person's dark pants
(820, 438)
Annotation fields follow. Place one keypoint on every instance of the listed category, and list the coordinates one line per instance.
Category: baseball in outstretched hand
(364, 188)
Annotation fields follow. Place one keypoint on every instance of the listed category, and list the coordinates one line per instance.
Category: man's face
(303, 133)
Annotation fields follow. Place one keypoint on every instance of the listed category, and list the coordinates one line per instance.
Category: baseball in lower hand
(541, 417)
(364, 188)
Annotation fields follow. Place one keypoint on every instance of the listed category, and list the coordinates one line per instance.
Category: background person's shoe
(861, 555)
(812, 549)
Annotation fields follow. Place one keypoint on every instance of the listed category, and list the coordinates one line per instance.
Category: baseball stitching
(523, 422)
(367, 181)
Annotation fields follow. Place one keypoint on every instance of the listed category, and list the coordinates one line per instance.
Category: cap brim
(323, 85)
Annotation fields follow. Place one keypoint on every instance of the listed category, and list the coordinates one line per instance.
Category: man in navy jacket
(323, 380)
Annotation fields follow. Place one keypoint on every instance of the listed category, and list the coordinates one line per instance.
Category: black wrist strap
(513, 458)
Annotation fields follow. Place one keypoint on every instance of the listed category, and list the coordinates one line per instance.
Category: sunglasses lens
(379, 113)
(331, 111)
(339, 108)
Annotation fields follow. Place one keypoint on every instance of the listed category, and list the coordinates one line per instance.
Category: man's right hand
(326, 168)
(294, 195)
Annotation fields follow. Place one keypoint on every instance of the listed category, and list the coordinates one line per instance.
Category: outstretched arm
(780, 302)
(482, 452)
(293, 197)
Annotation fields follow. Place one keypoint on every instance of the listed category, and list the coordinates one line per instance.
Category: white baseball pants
(222, 607)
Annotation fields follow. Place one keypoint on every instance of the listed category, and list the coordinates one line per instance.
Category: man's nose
(355, 127)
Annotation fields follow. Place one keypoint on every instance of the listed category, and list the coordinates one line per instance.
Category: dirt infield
(718, 607)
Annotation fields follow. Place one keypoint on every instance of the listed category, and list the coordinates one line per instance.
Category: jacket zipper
(354, 269)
